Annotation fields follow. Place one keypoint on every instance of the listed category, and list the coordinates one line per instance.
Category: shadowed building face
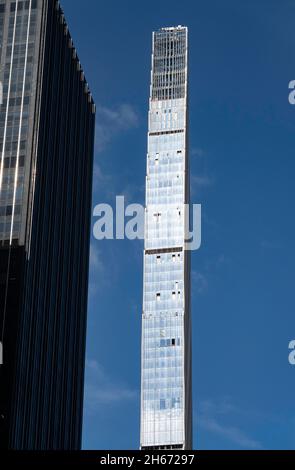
(46, 151)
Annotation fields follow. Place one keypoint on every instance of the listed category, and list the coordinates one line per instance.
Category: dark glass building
(47, 120)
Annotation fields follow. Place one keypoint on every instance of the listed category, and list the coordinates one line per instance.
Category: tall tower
(166, 404)
(47, 120)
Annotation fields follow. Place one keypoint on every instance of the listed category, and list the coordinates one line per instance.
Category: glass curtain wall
(165, 298)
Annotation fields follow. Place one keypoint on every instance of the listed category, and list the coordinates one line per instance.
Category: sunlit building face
(166, 343)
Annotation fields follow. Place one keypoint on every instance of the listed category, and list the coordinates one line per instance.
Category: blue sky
(242, 163)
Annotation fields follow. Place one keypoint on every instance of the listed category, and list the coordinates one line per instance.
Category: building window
(175, 402)
(9, 210)
(170, 342)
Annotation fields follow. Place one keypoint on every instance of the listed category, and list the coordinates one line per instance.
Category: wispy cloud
(98, 271)
(197, 152)
(113, 121)
(222, 407)
(212, 416)
(200, 178)
(101, 390)
(212, 266)
(103, 183)
(133, 193)
(96, 263)
(109, 186)
(199, 282)
(222, 260)
(231, 433)
(199, 182)
(99, 177)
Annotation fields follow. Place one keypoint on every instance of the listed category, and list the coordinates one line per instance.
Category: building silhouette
(47, 121)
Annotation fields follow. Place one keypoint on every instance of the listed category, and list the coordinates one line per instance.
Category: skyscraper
(166, 405)
(47, 121)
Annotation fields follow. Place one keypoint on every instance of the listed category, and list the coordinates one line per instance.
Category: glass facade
(166, 355)
(47, 123)
(18, 61)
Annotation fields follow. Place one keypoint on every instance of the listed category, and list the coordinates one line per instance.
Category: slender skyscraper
(166, 405)
(47, 122)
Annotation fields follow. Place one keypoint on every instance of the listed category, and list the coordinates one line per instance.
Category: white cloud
(225, 406)
(97, 270)
(197, 152)
(101, 390)
(210, 418)
(199, 282)
(106, 187)
(200, 178)
(222, 261)
(100, 178)
(231, 433)
(96, 263)
(200, 182)
(111, 122)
